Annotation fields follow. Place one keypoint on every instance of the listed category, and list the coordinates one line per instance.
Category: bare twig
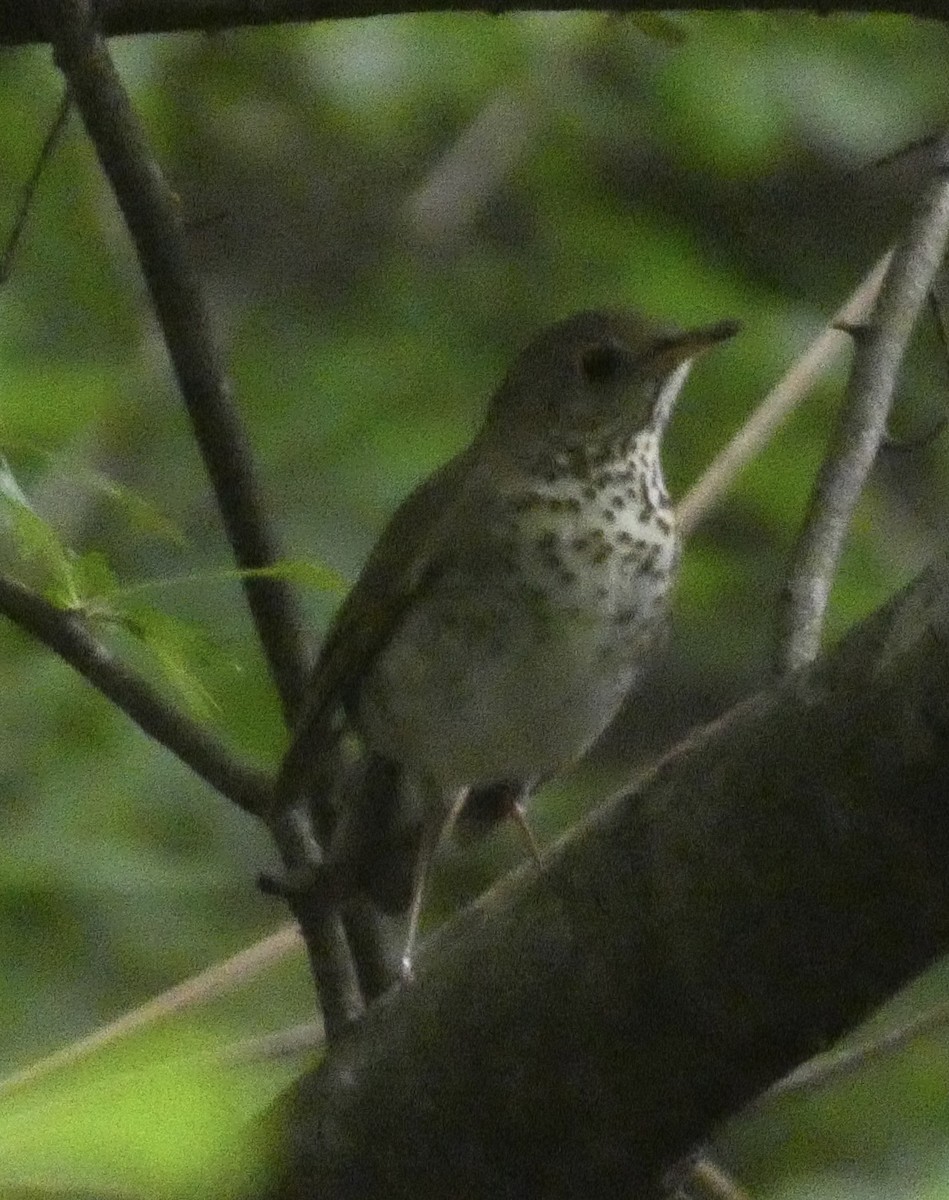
(216, 981)
(707, 1180)
(475, 165)
(780, 402)
(878, 353)
(828, 1069)
(68, 635)
(29, 191)
(151, 212)
(285, 1043)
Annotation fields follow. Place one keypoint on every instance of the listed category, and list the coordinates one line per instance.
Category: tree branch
(790, 390)
(578, 1031)
(20, 21)
(879, 347)
(151, 212)
(210, 984)
(68, 635)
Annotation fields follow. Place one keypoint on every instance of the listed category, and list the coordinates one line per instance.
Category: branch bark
(151, 213)
(576, 1032)
(68, 635)
(20, 21)
(880, 346)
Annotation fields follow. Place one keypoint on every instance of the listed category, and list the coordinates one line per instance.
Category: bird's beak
(670, 357)
(671, 349)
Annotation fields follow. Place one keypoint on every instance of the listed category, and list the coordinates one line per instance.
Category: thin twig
(831, 1068)
(780, 402)
(216, 981)
(29, 189)
(152, 213)
(285, 1043)
(879, 347)
(68, 635)
(710, 1181)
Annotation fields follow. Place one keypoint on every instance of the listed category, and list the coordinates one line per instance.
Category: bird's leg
(519, 817)
(440, 813)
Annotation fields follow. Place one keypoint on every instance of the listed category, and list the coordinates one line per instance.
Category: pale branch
(21, 21)
(216, 981)
(57, 125)
(152, 214)
(825, 1070)
(790, 390)
(879, 347)
(68, 634)
(770, 882)
(284, 1043)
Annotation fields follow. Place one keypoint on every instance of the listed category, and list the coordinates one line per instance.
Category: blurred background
(383, 211)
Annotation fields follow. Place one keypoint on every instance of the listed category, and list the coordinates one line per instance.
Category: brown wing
(400, 561)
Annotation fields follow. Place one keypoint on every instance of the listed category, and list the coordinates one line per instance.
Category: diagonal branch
(792, 388)
(776, 876)
(68, 635)
(879, 349)
(151, 212)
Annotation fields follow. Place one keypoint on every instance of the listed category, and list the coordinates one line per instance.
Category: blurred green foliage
(382, 212)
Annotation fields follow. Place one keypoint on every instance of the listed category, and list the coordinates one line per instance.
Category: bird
(511, 604)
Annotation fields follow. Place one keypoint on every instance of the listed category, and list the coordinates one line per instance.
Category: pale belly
(514, 682)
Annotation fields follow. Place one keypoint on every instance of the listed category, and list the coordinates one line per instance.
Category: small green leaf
(180, 649)
(308, 574)
(9, 488)
(316, 575)
(37, 544)
(95, 580)
(141, 513)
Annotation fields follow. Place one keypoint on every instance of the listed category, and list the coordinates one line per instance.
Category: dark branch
(21, 22)
(68, 635)
(879, 347)
(579, 1030)
(152, 214)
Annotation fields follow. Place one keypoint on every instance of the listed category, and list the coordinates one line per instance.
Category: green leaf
(141, 513)
(94, 578)
(37, 544)
(180, 649)
(316, 575)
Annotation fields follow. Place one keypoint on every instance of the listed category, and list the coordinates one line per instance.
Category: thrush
(512, 602)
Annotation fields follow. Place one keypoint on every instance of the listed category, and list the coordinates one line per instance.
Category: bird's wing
(402, 561)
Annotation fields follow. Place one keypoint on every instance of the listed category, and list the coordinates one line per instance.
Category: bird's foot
(406, 970)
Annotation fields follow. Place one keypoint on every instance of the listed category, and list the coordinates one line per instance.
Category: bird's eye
(603, 362)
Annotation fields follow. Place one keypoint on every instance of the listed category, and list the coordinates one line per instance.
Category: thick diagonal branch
(579, 1030)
